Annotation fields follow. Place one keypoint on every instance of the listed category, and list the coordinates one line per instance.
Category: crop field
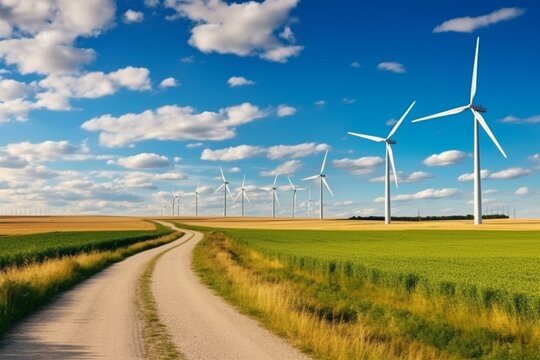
(16, 225)
(415, 294)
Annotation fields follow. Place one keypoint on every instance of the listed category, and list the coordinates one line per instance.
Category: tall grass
(24, 288)
(335, 316)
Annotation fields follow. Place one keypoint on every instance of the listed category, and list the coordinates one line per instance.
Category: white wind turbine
(225, 186)
(275, 199)
(197, 199)
(243, 193)
(173, 200)
(478, 119)
(322, 179)
(310, 203)
(389, 161)
(294, 190)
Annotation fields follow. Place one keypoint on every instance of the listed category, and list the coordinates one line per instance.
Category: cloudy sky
(107, 107)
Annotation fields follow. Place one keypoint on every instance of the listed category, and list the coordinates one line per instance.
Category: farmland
(410, 294)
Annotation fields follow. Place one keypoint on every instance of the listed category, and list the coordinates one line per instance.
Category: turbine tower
(225, 186)
(294, 190)
(243, 193)
(322, 179)
(197, 199)
(275, 199)
(389, 159)
(173, 200)
(478, 119)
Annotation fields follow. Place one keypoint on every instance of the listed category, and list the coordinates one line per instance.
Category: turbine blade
(327, 186)
(475, 71)
(197, 188)
(219, 188)
(484, 124)
(290, 182)
(394, 129)
(244, 181)
(324, 161)
(265, 188)
(369, 137)
(247, 198)
(391, 156)
(300, 189)
(222, 176)
(275, 180)
(443, 113)
(311, 177)
(237, 196)
(277, 199)
(230, 193)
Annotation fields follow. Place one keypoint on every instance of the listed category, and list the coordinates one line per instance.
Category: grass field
(406, 294)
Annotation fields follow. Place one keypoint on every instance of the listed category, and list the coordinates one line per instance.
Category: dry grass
(337, 224)
(16, 225)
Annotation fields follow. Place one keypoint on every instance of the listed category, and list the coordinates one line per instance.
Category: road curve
(97, 319)
(202, 325)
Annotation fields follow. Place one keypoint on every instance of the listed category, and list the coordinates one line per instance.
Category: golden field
(338, 224)
(14, 225)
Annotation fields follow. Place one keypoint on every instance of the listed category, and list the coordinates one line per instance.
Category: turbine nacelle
(391, 142)
(478, 108)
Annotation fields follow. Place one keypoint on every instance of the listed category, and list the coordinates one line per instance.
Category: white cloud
(132, 16)
(142, 161)
(361, 166)
(510, 173)
(172, 123)
(168, 82)
(445, 158)
(348, 101)
(413, 177)
(522, 191)
(391, 66)
(285, 110)
(12, 90)
(391, 122)
(151, 3)
(535, 158)
(287, 168)
(424, 195)
(194, 145)
(52, 151)
(231, 153)
(469, 24)
(234, 170)
(510, 119)
(320, 103)
(241, 152)
(235, 81)
(11, 161)
(188, 59)
(355, 64)
(243, 29)
(40, 37)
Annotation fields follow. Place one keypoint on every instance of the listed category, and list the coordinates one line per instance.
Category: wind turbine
(197, 199)
(478, 119)
(294, 190)
(174, 197)
(310, 202)
(225, 186)
(389, 159)
(243, 193)
(274, 195)
(322, 178)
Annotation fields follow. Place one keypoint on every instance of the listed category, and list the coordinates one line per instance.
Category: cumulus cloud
(391, 66)
(241, 152)
(142, 161)
(469, 24)
(11, 161)
(168, 82)
(522, 191)
(413, 177)
(40, 37)
(361, 166)
(52, 151)
(235, 81)
(320, 103)
(244, 29)
(424, 195)
(445, 158)
(510, 119)
(355, 64)
(484, 174)
(287, 168)
(510, 173)
(391, 122)
(535, 158)
(285, 110)
(348, 101)
(132, 16)
(194, 145)
(172, 123)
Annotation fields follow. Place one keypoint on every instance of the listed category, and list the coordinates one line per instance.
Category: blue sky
(106, 107)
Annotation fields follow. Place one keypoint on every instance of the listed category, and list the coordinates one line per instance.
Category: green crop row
(21, 249)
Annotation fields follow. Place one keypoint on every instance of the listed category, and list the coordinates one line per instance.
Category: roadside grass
(335, 315)
(158, 342)
(28, 286)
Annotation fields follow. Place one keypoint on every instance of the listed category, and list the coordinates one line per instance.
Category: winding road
(98, 319)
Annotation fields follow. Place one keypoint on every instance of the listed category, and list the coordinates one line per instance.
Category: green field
(486, 267)
(20, 249)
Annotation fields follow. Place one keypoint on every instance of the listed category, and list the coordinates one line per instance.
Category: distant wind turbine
(197, 199)
(275, 199)
(310, 203)
(294, 190)
(225, 186)
(173, 200)
(322, 178)
(477, 119)
(389, 159)
(243, 193)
